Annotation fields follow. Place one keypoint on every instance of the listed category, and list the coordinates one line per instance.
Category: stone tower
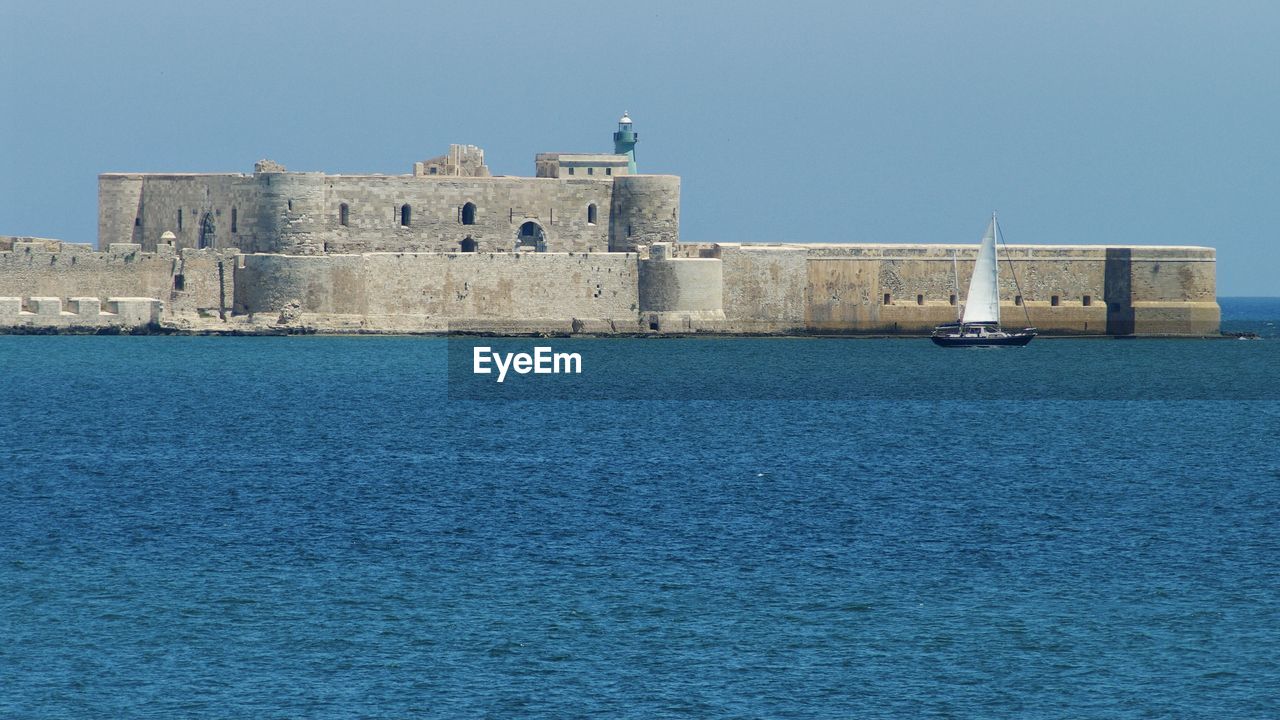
(624, 142)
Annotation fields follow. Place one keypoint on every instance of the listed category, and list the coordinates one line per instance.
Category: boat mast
(955, 277)
(995, 249)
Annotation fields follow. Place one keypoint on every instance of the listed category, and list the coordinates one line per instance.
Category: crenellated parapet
(187, 282)
(80, 313)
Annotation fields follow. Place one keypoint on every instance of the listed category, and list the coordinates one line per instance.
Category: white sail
(982, 305)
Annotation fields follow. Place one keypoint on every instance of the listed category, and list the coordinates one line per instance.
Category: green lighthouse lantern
(624, 142)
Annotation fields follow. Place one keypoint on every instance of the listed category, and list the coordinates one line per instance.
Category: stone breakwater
(660, 288)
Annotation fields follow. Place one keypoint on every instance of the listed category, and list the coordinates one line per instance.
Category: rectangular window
(570, 171)
(591, 171)
(953, 298)
(1017, 299)
(608, 171)
(1087, 300)
(919, 299)
(235, 227)
(179, 219)
(888, 299)
(1054, 301)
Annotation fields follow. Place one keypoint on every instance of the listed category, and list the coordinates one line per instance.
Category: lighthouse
(624, 142)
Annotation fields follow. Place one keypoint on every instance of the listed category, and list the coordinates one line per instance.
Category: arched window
(206, 232)
(591, 214)
(344, 215)
(406, 215)
(469, 214)
(531, 237)
(468, 244)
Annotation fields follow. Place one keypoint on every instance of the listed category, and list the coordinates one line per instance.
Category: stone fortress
(586, 245)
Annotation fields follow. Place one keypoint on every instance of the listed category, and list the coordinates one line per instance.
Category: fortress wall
(681, 285)
(291, 213)
(1173, 289)
(503, 204)
(681, 293)
(208, 283)
(1124, 290)
(840, 294)
(764, 288)
(79, 271)
(299, 213)
(119, 206)
(7, 242)
(391, 291)
(1173, 274)
(64, 271)
(154, 201)
(79, 314)
(646, 210)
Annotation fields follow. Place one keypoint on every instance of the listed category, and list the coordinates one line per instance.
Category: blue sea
(352, 527)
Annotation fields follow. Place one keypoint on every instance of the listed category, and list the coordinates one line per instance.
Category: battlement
(189, 282)
(80, 312)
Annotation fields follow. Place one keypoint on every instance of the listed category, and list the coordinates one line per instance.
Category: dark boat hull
(1009, 340)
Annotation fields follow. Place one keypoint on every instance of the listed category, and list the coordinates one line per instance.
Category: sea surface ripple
(313, 527)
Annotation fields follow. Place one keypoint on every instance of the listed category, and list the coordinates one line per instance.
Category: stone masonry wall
(1080, 289)
(442, 291)
(71, 270)
(218, 211)
(502, 205)
(52, 269)
(301, 213)
(764, 288)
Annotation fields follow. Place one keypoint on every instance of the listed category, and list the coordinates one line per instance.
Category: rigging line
(1014, 273)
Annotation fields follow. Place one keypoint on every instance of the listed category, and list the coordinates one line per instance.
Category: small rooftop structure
(587, 165)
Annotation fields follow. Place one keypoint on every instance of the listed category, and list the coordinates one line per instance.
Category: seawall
(889, 289)
(664, 288)
(441, 292)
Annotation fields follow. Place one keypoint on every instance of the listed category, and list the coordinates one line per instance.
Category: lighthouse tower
(624, 142)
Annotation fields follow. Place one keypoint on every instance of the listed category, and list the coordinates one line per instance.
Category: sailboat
(979, 324)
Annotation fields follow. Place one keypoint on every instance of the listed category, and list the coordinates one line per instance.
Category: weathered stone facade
(451, 248)
(273, 211)
(718, 288)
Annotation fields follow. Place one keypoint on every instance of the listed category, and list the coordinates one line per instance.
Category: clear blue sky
(1095, 122)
